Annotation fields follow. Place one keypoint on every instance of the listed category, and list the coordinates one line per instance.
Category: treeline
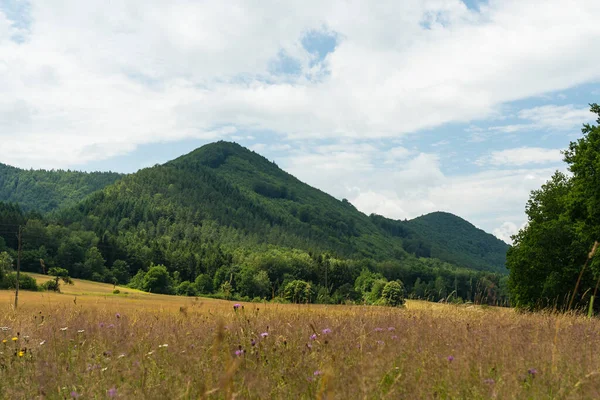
(43, 190)
(548, 262)
(174, 258)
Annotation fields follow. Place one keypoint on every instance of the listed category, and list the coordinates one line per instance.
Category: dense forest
(44, 191)
(225, 221)
(548, 263)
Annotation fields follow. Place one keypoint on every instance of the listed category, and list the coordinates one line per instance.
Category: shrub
(26, 282)
(393, 294)
(116, 291)
(186, 288)
(51, 285)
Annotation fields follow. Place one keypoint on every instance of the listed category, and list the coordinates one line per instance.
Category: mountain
(457, 241)
(223, 220)
(248, 200)
(449, 238)
(43, 191)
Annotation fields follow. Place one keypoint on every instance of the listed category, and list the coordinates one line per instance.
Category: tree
(120, 271)
(186, 288)
(157, 280)
(94, 265)
(203, 284)
(563, 222)
(393, 294)
(6, 263)
(58, 273)
(298, 292)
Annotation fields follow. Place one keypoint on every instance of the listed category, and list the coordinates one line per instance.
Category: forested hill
(226, 221)
(459, 242)
(241, 198)
(449, 238)
(43, 191)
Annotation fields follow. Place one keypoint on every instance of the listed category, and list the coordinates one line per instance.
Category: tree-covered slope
(457, 241)
(43, 191)
(449, 238)
(247, 198)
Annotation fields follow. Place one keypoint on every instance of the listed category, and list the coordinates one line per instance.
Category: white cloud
(90, 82)
(521, 156)
(111, 78)
(547, 118)
(507, 230)
(490, 199)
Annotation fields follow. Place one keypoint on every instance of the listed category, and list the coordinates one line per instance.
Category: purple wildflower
(264, 334)
(112, 392)
(118, 315)
(236, 306)
(313, 336)
(111, 326)
(317, 373)
(380, 342)
(74, 394)
(532, 371)
(253, 342)
(489, 381)
(391, 328)
(394, 337)
(326, 331)
(101, 324)
(378, 329)
(450, 358)
(239, 353)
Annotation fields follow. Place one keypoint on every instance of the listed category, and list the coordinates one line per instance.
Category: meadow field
(89, 343)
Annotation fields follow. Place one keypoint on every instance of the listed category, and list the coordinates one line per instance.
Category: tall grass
(189, 349)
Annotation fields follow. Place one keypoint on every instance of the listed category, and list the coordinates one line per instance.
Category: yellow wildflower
(4, 340)
(15, 339)
(21, 353)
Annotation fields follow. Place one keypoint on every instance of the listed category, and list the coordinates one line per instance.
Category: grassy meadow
(89, 343)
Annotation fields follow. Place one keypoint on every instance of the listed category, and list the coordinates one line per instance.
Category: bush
(26, 282)
(393, 294)
(51, 285)
(186, 288)
(203, 284)
(157, 280)
(116, 291)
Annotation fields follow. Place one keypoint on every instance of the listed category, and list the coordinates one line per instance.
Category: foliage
(44, 191)
(6, 263)
(449, 238)
(392, 294)
(26, 282)
(234, 225)
(186, 288)
(298, 291)
(157, 280)
(548, 255)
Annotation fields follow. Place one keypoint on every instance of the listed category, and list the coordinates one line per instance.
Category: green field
(91, 343)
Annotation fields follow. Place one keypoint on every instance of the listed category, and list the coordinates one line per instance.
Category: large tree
(563, 223)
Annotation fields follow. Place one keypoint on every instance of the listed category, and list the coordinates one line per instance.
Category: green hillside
(43, 191)
(459, 242)
(247, 200)
(225, 221)
(448, 237)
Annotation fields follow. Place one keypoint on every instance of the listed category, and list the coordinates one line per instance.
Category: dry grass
(433, 351)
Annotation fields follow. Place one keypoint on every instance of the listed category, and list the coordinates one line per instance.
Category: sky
(401, 107)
